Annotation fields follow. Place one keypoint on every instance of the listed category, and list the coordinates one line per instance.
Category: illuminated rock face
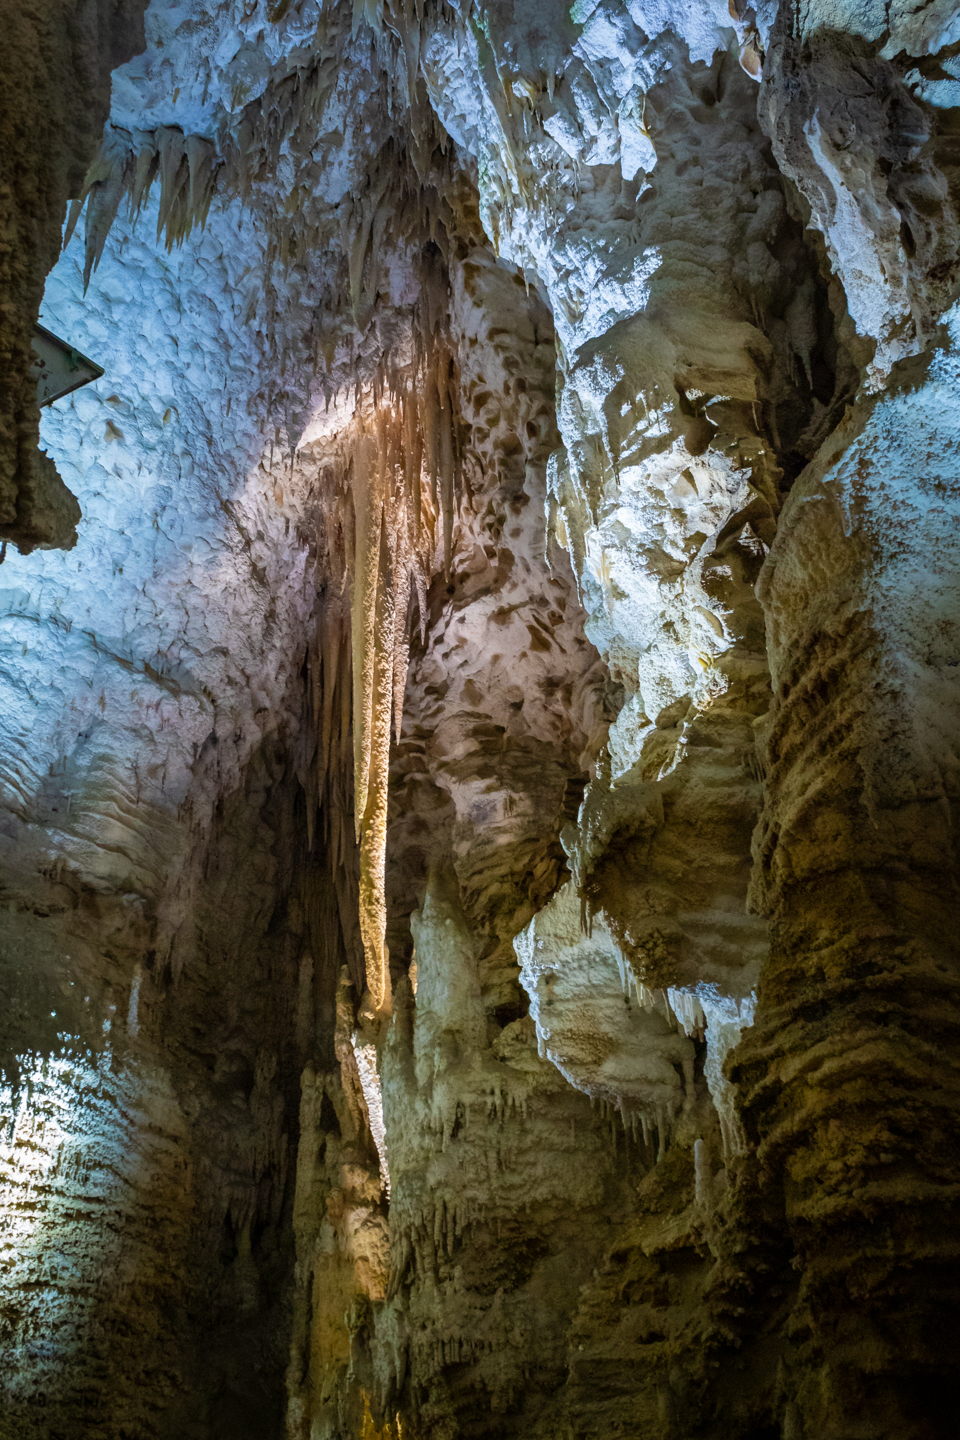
(479, 896)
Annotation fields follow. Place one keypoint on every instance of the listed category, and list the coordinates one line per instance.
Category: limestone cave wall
(478, 906)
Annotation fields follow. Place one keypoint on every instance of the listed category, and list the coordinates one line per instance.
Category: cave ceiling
(479, 743)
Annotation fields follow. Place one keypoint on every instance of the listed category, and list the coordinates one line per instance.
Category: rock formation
(54, 100)
(478, 885)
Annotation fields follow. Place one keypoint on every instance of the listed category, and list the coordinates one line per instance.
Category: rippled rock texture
(479, 891)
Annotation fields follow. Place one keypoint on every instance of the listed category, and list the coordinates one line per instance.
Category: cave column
(847, 1081)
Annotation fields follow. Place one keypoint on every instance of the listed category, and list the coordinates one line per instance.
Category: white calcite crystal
(591, 1019)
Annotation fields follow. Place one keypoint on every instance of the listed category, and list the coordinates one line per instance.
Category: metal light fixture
(59, 367)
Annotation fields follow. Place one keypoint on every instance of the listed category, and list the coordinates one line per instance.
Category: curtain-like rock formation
(479, 892)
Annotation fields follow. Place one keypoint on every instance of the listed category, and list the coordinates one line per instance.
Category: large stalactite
(478, 886)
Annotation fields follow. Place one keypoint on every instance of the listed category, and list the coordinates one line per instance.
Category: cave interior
(479, 720)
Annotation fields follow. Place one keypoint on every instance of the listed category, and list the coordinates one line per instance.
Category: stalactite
(386, 532)
(193, 167)
(127, 165)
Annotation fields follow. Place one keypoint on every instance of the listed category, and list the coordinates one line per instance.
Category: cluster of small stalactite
(244, 150)
(242, 147)
(127, 165)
